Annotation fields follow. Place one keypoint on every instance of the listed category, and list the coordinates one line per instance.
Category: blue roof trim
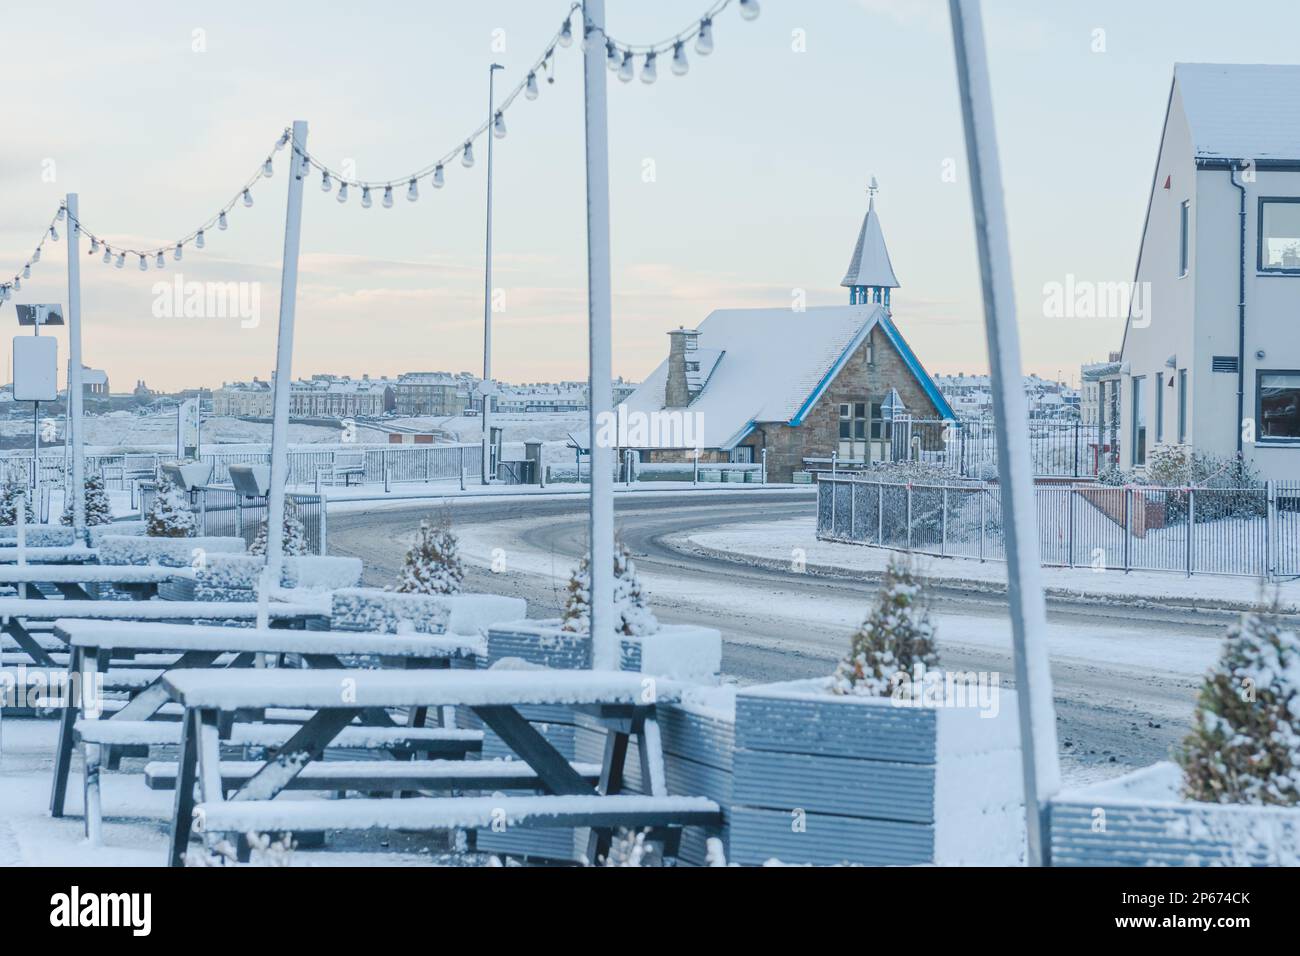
(834, 370)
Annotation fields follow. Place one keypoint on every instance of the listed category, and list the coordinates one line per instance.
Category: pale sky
(760, 158)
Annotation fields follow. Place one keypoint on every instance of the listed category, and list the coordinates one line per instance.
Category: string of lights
(51, 234)
(116, 254)
(436, 170)
(620, 57)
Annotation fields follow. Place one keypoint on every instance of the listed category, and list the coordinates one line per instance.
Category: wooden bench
(94, 643)
(380, 775)
(623, 702)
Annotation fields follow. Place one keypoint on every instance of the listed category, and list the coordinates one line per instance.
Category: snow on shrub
(633, 615)
(98, 509)
(433, 563)
(9, 494)
(169, 514)
(896, 636)
(1245, 746)
(295, 535)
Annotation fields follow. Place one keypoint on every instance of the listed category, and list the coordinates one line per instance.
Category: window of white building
(1279, 235)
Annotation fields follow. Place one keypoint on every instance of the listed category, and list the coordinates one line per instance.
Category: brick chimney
(683, 344)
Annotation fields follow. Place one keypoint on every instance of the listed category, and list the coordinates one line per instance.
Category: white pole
(1015, 470)
(487, 286)
(600, 387)
(284, 359)
(75, 396)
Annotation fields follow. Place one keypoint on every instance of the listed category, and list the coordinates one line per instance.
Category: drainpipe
(1241, 314)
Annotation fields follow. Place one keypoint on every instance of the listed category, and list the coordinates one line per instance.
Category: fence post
(1191, 528)
(1069, 536)
(834, 457)
(833, 496)
(322, 525)
(909, 516)
(943, 525)
(1128, 523)
(1270, 535)
(388, 476)
(1076, 452)
(695, 471)
(853, 510)
(763, 477)
(880, 513)
(984, 495)
(462, 468)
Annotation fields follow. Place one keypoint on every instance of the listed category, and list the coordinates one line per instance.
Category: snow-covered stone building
(1210, 356)
(798, 384)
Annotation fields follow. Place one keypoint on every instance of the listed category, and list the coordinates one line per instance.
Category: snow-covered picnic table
(94, 643)
(624, 702)
(68, 554)
(140, 581)
(16, 613)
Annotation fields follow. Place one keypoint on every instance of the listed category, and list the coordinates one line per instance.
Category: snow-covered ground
(550, 428)
(785, 542)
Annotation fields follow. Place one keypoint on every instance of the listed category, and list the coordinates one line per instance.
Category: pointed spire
(870, 267)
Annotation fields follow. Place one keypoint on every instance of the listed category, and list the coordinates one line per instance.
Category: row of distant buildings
(414, 394)
(971, 396)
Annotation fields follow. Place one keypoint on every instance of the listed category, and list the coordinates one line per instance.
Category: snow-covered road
(1126, 678)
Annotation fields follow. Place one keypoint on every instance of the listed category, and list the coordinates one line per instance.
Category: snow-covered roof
(1241, 111)
(773, 365)
(870, 265)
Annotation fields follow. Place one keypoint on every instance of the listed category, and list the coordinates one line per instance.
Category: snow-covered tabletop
(324, 689)
(123, 635)
(70, 554)
(85, 574)
(43, 609)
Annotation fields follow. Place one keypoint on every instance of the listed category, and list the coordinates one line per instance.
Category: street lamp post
(487, 287)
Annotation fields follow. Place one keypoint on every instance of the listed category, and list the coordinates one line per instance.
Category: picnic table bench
(93, 643)
(623, 702)
(70, 580)
(345, 465)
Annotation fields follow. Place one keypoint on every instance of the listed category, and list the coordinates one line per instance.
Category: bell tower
(871, 275)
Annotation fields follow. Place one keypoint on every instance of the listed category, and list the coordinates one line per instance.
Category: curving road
(1125, 677)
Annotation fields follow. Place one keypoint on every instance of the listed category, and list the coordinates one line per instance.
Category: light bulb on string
(221, 221)
(94, 246)
(121, 260)
(530, 88)
(704, 39)
(325, 184)
(304, 167)
(628, 68)
(27, 271)
(467, 156)
(439, 178)
(36, 256)
(144, 265)
(388, 197)
(198, 239)
(749, 9)
(499, 126)
(62, 212)
(412, 190)
(612, 57)
(681, 66)
(54, 234)
(566, 33)
(161, 261)
(284, 138)
(177, 252)
(248, 199)
(365, 197)
(108, 255)
(268, 168)
(343, 192)
(649, 72)
(18, 284)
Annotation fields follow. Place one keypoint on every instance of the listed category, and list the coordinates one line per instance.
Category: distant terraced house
(798, 385)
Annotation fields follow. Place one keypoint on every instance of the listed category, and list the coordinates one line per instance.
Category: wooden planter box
(1140, 819)
(825, 779)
